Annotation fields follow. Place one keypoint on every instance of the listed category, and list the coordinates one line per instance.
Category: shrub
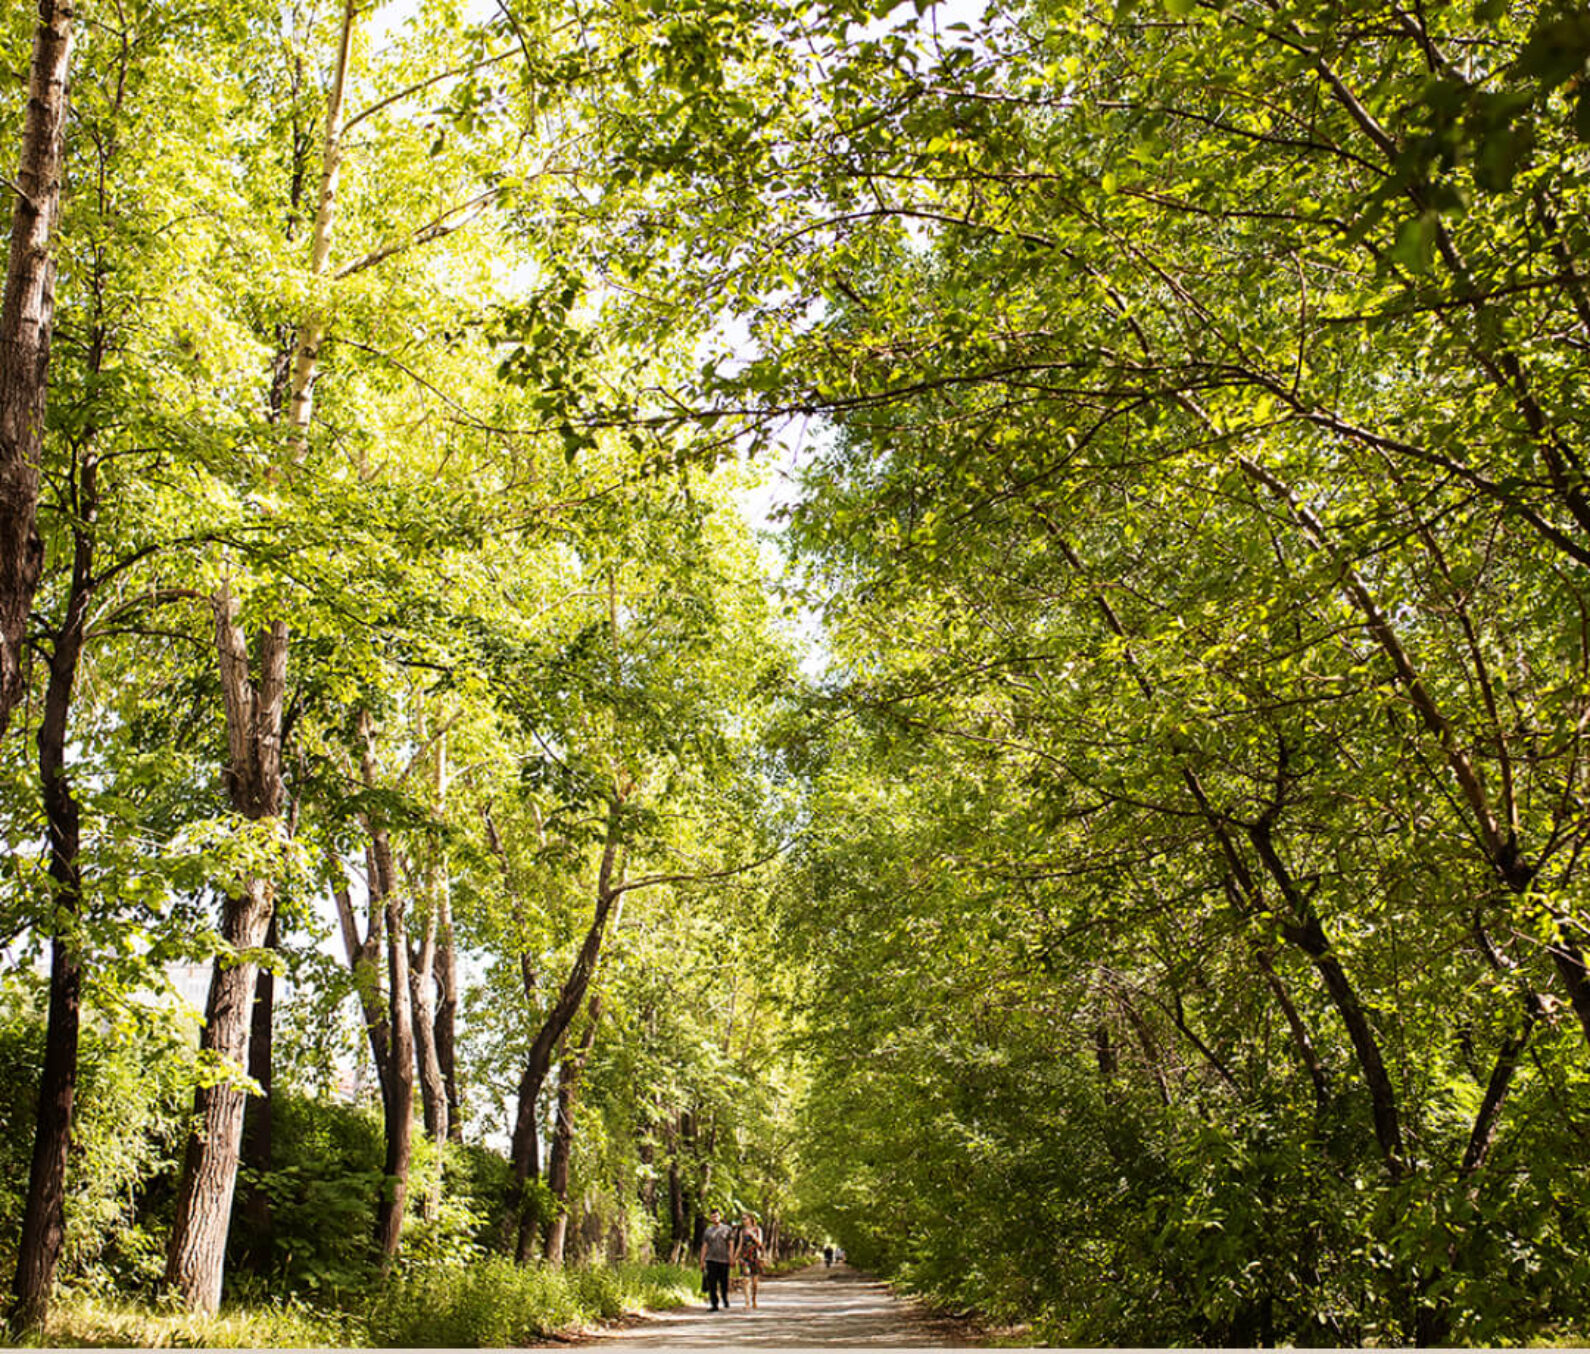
(322, 1187)
(498, 1303)
(134, 1087)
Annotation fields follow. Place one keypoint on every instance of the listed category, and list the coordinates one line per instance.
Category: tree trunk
(563, 1137)
(678, 1222)
(27, 315)
(433, 1089)
(43, 1222)
(524, 1149)
(363, 956)
(398, 1100)
(259, 1116)
(447, 1015)
(1307, 932)
(1301, 1038)
(422, 986)
(196, 1254)
(397, 1082)
(430, 882)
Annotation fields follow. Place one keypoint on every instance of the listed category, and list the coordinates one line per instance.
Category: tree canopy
(1122, 874)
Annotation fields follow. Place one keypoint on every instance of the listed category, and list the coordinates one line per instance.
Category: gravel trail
(813, 1309)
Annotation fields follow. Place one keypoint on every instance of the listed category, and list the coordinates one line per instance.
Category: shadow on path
(815, 1307)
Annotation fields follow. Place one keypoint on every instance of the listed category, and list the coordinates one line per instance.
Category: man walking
(717, 1251)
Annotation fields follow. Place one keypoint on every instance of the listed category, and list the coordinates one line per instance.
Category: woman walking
(750, 1255)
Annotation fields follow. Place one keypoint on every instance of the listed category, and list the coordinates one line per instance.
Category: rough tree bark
(258, 1120)
(197, 1249)
(27, 316)
(563, 1135)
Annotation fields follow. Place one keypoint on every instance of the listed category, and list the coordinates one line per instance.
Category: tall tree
(27, 314)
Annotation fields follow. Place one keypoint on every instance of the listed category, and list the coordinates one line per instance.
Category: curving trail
(817, 1307)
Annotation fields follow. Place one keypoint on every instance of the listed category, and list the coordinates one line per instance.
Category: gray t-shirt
(717, 1242)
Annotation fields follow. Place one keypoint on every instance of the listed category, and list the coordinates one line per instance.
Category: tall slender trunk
(678, 1220)
(422, 986)
(447, 1015)
(27, 315)
(196, 1256)
(398, 1101)
(44, 1222)
(397, 1085)
(1301, 1039)
(433, 1089)
(524, 1149)
(422, 968)
(563, 1136)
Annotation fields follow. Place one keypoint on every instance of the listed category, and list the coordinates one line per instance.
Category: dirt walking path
(815, 1307)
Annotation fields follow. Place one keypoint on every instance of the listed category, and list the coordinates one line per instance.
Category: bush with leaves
(498, 1303)
(135, 1073)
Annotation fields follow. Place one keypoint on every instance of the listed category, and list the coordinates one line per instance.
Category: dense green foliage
(1196, 900)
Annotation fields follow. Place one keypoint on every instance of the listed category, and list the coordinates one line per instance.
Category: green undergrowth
(789, 1265)
(82, 1319)
(496, 1302)
(492, 1302)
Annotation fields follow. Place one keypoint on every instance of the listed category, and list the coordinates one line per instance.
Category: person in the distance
(717, 1250)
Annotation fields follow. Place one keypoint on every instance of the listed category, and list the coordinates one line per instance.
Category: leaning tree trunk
(44, 1221)
(563, 1137)
(196, 1255)
(524, 1147)
(364, 956)
(27, 316)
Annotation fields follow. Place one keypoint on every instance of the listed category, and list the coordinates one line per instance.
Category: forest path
(816, 1307)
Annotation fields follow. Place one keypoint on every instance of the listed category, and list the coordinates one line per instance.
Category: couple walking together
(722, 1248)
